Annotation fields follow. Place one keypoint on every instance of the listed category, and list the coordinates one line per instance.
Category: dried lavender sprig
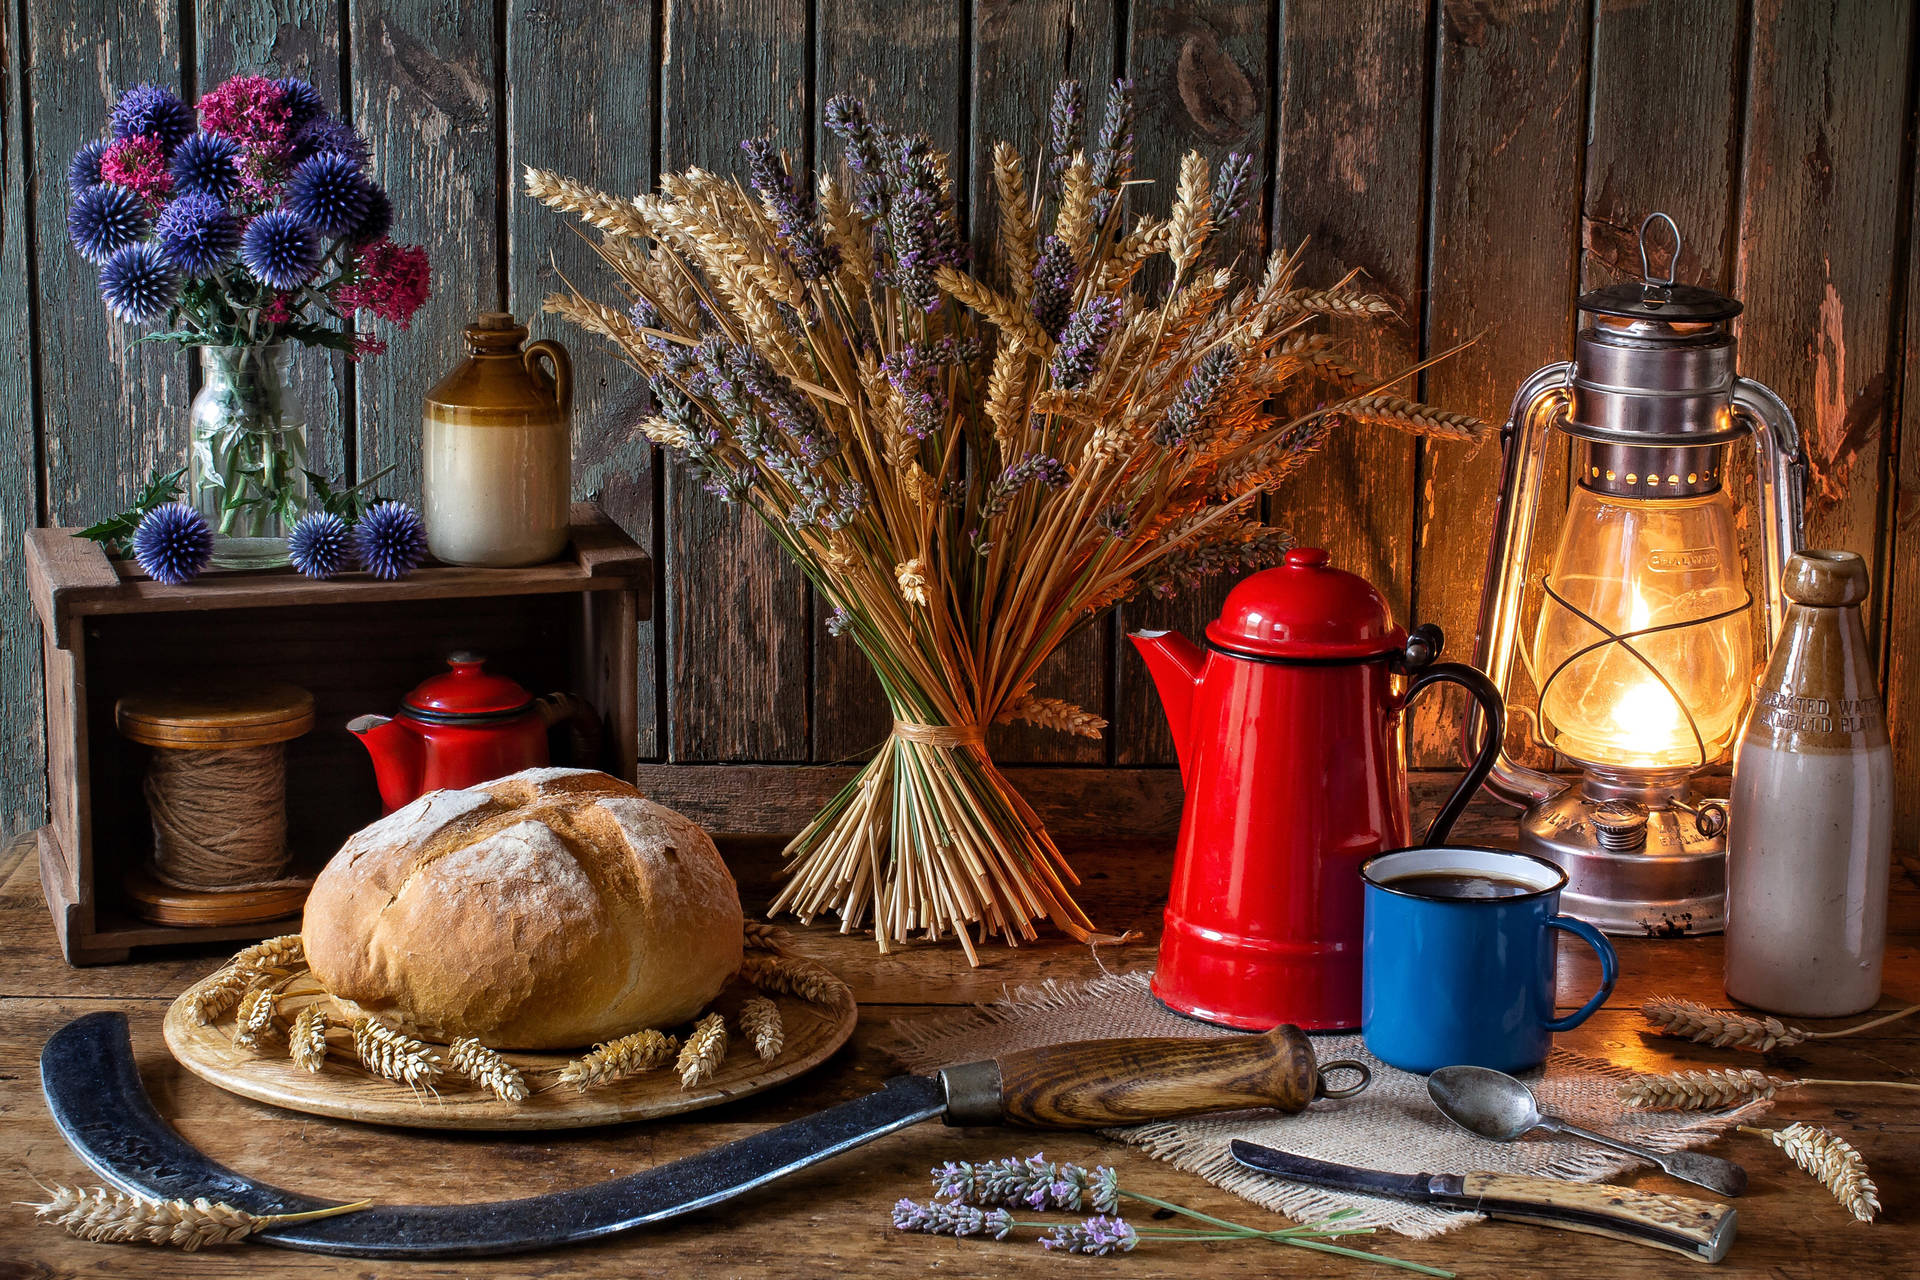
(1193, 403)
(1232, 185)
(865, 144)
(1035, 1182)
(1097, 1237)
(792, 210)
(1065, 119)
(943, 1218)
(1034, 468)
(1083, 339)
(1053, 278)
(922, 230)
(1113, 151)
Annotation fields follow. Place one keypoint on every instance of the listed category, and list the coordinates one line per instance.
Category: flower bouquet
(244, 223)
(972, 454)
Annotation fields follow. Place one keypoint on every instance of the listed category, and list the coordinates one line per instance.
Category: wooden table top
(834, 1218)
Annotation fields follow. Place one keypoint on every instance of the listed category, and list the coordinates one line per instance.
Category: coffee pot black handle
(1423, 645)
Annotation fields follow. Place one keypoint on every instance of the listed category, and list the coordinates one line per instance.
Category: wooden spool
(213, 719)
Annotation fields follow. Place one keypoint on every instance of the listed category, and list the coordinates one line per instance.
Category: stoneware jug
(1810, 829)
(1289, 727)
(497, 450)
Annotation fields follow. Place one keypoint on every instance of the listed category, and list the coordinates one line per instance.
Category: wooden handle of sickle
(1699, 1229)
(1096, 1083)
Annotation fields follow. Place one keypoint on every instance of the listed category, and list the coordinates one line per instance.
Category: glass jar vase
(247, 469)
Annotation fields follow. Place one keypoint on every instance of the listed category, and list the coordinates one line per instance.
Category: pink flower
(390, 280)
(140, 165)
(252, 110)
(364, 345)
(277, 311)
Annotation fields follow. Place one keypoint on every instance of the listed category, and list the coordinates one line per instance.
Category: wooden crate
(358, 644)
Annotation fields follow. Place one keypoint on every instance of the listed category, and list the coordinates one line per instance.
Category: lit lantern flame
(1630, 565)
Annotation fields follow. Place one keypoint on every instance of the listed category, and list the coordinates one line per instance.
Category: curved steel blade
(95, 1094)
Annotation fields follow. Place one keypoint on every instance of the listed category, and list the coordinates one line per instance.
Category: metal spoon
(1497, 1107)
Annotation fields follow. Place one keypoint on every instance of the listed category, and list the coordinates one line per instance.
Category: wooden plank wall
(1483, 160)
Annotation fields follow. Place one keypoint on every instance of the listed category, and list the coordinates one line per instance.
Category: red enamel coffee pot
(1289, 726)
(466, 726)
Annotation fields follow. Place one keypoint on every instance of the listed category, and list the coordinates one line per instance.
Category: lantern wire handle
(1673, 262)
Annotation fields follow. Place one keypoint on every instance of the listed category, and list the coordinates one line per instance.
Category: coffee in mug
(1458, 958)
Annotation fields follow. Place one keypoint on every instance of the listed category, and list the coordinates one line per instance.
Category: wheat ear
(760, 1019)
(792, 976)
(705, 1049)
(389, 1053)
(1008, 316)
(1703, 1090)
(253, 1026)
(596, 208)
(307, 1040)
(288, 951)
(220, 993)
(1691, 1020)
(1055, 714)
(487, 1069)
(618, 1059)
(757, 935)
(1832, 1160)
(1412, 417)
(117, 1218)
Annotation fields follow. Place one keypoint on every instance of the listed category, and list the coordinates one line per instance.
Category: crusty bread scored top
(549, 909)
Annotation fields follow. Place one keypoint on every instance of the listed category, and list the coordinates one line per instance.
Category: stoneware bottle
(1811, 820)
(497, 449)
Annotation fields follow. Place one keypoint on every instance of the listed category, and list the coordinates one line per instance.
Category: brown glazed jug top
(500, 381)
(1818, 693)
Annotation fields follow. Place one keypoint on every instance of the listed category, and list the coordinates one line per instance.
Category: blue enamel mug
(1458, 958)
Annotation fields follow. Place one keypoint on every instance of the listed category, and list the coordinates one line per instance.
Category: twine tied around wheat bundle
(941, 735)
(219, 817)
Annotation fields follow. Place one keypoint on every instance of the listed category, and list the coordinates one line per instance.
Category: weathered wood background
(1485, 160)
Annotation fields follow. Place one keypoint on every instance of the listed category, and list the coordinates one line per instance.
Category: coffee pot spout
(399, 758)
(1175, 663)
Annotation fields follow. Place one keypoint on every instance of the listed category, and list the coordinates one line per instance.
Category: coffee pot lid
(466, 690)
(1304, 608)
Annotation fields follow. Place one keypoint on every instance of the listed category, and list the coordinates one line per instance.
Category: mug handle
(1494, 712)
(1609, 970)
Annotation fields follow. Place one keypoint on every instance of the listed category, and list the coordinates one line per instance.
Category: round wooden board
(345, 1091)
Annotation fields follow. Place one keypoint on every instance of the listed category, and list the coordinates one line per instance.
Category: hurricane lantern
(1642, 655)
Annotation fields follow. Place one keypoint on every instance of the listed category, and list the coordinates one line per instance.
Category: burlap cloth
(1393, 1125)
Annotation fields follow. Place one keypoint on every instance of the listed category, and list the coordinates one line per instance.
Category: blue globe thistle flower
(330, 135)
(303, 100)
(376, 222)
(280, 249)
(321, 545)
(83, 170)
(173, 543)
(197, 233)
(150, 111)
(390, 540)
(328, 193)
(208, 164)
(104, 220)
(138, 283)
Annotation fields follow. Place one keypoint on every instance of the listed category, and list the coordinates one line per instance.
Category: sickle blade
(95, 1094)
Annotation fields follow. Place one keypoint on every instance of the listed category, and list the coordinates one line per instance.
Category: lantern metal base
(1675, 885)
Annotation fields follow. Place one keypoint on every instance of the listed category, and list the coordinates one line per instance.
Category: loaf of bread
(550, 909)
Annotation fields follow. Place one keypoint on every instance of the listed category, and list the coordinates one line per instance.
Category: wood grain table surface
(834, 1219)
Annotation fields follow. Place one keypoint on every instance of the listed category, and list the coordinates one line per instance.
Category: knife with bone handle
(1697, 1228)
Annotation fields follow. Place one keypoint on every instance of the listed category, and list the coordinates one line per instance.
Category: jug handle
(1493, 733)
(562, 369)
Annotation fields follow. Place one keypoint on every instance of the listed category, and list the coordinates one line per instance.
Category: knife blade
(1697, 1228)
(94, 1092)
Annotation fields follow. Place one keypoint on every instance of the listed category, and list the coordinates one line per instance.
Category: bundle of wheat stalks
(972, 453)
(258, 987)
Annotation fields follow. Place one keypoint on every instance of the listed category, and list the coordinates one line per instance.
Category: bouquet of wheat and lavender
(972, 452)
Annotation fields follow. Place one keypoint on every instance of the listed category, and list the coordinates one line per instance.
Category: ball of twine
(219, 817)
